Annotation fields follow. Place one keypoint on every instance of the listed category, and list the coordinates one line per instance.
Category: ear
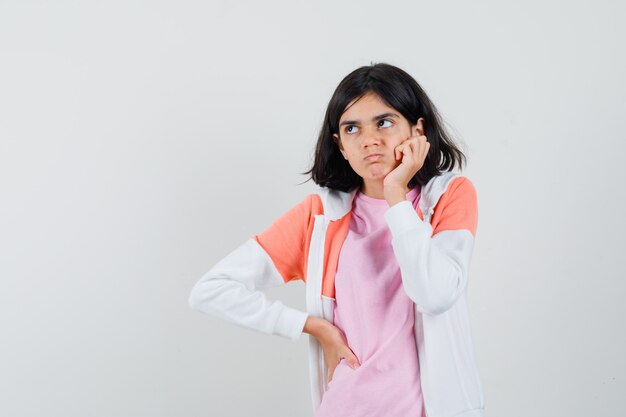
(419, 127)
(338, 142)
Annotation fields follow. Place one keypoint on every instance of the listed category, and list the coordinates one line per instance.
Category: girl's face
(369, 131)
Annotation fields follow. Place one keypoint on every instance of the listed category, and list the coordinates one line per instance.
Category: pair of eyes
(351, 129)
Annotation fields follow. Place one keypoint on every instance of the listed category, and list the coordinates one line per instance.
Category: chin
(376, 176)
(374, 172)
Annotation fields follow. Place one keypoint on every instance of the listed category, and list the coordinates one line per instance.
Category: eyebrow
(375, 118)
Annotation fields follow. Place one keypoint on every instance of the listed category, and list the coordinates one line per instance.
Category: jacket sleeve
(434, 257)
(232, 290)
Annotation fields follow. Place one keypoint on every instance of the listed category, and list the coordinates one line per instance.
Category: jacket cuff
(402, 217)
(290, 323)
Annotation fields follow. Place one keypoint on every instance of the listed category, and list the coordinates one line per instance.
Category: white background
(141, 141)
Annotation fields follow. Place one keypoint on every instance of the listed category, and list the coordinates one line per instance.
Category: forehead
(369, 104)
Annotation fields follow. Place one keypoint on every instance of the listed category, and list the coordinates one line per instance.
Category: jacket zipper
(320, 261)
(427, 216)
(317, 253)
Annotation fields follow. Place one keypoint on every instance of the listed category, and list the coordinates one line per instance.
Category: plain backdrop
(142, 141)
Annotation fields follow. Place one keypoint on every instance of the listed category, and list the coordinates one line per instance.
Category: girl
(383, 246)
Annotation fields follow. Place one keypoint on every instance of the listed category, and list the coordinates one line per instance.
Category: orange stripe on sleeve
(287, 239)
(457, 208)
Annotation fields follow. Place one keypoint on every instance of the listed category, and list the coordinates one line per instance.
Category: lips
(373, 157)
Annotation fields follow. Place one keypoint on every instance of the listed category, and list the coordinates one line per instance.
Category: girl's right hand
(333, 342)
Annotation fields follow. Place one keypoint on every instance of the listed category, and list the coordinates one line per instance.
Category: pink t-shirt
(377, 317)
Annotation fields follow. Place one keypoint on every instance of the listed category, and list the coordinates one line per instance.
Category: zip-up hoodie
(433, 246)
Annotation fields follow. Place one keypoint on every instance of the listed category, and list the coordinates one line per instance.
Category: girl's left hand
(413, 152)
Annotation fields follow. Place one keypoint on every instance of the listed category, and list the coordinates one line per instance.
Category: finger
(399, 150)
(413, 142)
(354, 362)
(409, 149)
(424, 149)
(423, 152)
(403, 152)
(418, 141)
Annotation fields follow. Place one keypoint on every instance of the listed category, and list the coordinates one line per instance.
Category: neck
(373, 189)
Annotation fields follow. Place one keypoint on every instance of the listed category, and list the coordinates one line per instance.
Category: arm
(434, 259)
(232, 289)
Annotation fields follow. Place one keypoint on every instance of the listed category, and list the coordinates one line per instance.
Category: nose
(370, 136)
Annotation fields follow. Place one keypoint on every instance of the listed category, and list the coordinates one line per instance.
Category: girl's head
(352, 129)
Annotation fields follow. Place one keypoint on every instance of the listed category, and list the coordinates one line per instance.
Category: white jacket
(434, 261)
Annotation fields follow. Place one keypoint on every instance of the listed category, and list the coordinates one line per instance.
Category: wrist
(395, 194)
(315, 326)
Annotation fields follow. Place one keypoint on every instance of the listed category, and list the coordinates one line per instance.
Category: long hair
(400, 91)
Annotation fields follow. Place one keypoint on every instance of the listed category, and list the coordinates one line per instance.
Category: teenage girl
(384, 247)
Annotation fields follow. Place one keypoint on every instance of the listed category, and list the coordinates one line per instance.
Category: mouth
(373, 157)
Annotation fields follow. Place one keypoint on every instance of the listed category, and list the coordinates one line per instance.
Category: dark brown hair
(401, 92)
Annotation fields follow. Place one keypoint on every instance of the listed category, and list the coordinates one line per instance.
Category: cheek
(397, 137)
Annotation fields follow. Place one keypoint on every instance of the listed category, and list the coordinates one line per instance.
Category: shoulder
(458, 207)
(461, 187)
(299, 213)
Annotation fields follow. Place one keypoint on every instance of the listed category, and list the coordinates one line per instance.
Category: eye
(383, 121)
(350, 129)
